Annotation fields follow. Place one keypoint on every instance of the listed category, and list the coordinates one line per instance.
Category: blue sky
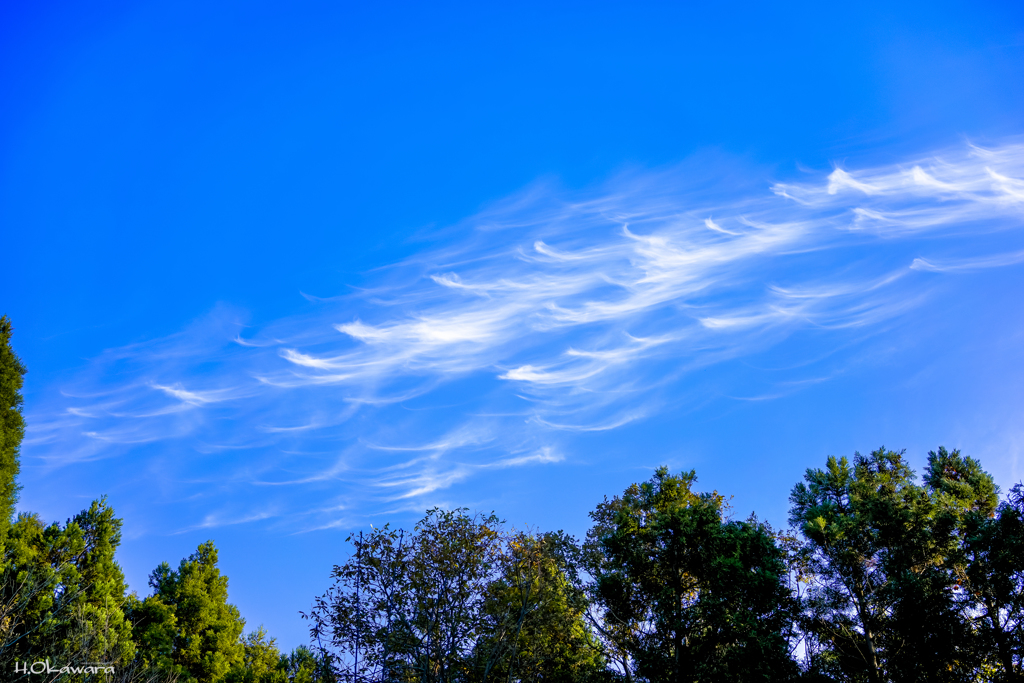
(279, 273)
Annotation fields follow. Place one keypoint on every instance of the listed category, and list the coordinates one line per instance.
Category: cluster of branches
(881, 578)
(458, 599)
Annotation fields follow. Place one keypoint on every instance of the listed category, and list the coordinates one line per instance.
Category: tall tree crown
(12, 425)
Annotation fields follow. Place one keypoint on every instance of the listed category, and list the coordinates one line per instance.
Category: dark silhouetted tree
(456, 600)
(993, 586)
(886, 559)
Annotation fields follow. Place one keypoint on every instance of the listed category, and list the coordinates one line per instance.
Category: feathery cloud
(550, 314)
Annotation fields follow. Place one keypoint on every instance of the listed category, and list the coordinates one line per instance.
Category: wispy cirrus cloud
(550, 314)
(969, 264)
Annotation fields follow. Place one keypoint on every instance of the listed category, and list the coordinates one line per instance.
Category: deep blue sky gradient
(167, 167)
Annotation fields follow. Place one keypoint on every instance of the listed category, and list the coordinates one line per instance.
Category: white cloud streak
(968, 264)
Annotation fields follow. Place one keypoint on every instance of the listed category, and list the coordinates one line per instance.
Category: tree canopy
(12, 425)
(689, 594)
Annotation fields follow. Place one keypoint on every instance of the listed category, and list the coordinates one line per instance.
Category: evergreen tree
(12, 426)
(302, 666)
(191, 602)
(71, 591)
(847, 607)
(101, 582)
(155, 631)
(261, 663)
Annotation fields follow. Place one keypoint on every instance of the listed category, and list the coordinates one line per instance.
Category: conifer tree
(303, 666)
(262, 662)
(12, 426)
(69, 589)
(187, 625)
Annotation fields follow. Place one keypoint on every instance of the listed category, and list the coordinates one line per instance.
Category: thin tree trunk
(874, 672)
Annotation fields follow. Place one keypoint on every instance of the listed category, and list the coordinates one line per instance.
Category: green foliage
(884, 558)
(186, 631)
(302, 666)
(262, 661)
(686, 595)
(155, 629)
(191, 602)
(993, 585)
(537, 629)
(930, 636)
(959, 486)
(12, 426)
(454, 559)
(69, 588)
(458, 599)
(847, 607)
(408, 606)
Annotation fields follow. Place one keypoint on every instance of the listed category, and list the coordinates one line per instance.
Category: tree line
(881, 576)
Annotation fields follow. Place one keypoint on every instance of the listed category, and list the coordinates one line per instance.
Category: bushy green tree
(684, 593)
(302, 666)
(536, 628)
(71, 590)
(191, 603)
(848, 607)
(155, 630)
(409, 606)
(262, 662)
(884, 555)
(931, 635)
(12, 426)
(456, 600)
